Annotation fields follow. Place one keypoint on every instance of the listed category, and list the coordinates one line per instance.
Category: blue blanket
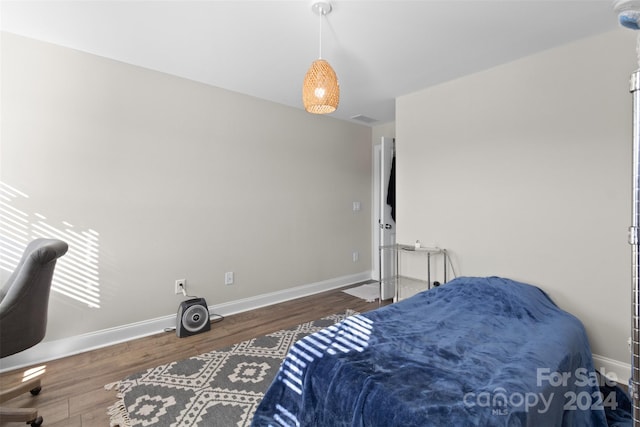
(473, 352)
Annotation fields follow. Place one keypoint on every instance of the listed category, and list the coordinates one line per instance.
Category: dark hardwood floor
(73, 393)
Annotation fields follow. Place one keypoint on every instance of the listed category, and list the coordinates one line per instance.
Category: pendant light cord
(320, 14)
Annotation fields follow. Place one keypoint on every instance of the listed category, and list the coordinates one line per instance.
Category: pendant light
(320, 90)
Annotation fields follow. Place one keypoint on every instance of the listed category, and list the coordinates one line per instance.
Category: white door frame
(375, 255)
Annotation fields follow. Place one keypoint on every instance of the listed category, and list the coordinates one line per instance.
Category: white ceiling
(379, 49)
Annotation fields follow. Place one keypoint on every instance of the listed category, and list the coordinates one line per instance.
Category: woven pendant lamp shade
(320, 90)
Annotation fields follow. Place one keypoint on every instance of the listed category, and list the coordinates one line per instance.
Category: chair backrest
(24, 299)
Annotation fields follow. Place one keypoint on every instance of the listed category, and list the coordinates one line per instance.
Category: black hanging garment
(391, 191)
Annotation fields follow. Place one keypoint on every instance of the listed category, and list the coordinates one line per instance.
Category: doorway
(384, 224)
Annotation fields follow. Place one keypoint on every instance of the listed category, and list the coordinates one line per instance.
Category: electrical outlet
(356, 256)
(228, 278)
(181, 286)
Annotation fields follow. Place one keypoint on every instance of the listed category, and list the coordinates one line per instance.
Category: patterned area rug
(219, 388)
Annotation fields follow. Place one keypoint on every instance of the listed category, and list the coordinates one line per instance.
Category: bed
(474, 352)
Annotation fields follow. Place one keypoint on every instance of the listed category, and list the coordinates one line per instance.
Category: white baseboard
(613, 369)
(51, 350)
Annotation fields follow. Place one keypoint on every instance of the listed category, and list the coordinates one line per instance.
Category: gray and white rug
(219, 388)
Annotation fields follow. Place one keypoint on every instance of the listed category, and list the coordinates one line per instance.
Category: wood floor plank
(73, 393)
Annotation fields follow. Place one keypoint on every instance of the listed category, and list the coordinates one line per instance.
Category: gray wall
(524, 171)
(157, 178)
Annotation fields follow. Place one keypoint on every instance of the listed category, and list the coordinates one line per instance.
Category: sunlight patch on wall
(77, 274)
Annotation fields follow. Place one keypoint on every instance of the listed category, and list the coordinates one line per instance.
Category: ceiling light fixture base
(321, 7)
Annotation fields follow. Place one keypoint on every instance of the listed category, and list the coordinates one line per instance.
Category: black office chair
(24, 302)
